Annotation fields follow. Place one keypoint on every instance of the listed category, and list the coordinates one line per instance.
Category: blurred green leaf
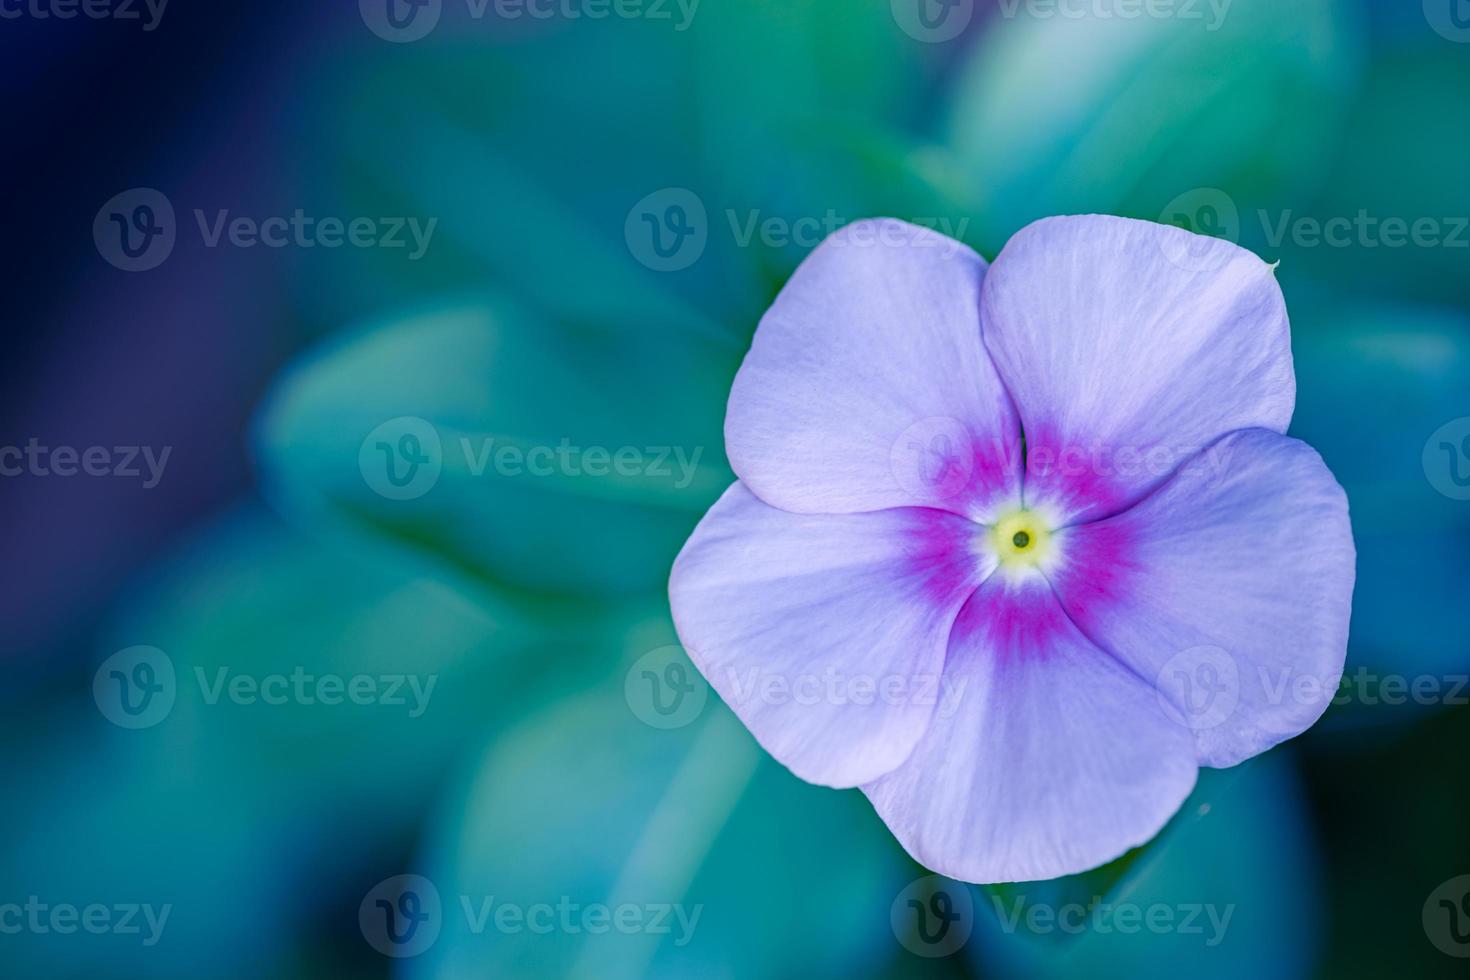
(252, 599)
(806, 121)
(1402, 159)
(531, 419)
(792, 112)
(1060, 115)
(1374, 383)
(101, 816)
(253, 809)
(1230, 889)
(1101, 884)
(588, 806)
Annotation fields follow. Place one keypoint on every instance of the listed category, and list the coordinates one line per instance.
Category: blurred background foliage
(533, 320)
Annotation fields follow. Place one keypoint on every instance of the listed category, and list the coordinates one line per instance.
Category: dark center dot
(1021, 539)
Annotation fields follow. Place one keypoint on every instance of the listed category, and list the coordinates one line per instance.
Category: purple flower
(1016, 550)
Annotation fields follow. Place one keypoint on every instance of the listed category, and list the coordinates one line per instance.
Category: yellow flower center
(1020, 538)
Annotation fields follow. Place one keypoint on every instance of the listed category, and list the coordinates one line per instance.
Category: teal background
(538, 317)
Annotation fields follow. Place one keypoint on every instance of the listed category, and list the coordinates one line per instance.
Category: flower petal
(825, 633)
(1046, 758)
(1129, 346)
(1230, 586)
(867, 385)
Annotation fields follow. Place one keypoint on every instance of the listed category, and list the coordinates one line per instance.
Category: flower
(1017, 549)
